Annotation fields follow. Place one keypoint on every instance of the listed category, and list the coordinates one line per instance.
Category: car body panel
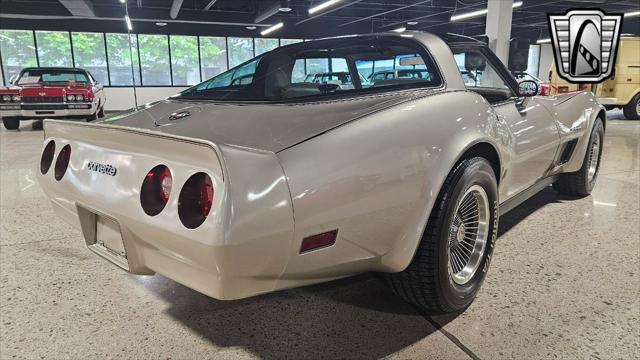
(370, 167)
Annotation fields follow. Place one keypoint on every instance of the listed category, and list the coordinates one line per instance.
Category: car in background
(342, 78)
(399, 74)
(622, 89)
(51, 92)
(543, 87)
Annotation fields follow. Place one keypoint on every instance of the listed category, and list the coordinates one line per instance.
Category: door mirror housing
(13, 79)
(528, 88)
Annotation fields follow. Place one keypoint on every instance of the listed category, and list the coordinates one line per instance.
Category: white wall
(546, 58)
(121, 98)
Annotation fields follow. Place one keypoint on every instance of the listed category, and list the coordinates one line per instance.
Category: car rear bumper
(29, 111)
(238, 251)
(608, 101)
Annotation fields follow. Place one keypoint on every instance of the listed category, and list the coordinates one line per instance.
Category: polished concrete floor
(564, 283)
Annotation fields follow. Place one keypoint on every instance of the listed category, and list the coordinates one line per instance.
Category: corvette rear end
(152, 202)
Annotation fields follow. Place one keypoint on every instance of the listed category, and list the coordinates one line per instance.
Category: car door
(533, 133)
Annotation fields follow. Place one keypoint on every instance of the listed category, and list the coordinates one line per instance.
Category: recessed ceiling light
(633, 13)
(543, 41)
(161, 23)
(400, 29)
(412, 23)
(251, 27)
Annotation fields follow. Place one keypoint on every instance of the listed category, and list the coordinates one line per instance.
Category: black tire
(101, 112)
(36, 125)
(427, 281)
(578, 183)
(92, 117)
(632, 109)
(11, 123)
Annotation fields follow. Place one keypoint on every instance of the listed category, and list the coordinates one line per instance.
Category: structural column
(498, 28)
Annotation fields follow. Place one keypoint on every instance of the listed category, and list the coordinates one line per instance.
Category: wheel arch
(485, 150)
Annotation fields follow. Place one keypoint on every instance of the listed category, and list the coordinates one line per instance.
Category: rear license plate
(109, 243)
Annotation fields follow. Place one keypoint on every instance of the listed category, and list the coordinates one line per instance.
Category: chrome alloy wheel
(469, 235)
(594, 157)
(638, 108)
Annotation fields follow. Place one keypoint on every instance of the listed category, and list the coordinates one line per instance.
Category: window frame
(497, 65)
(420, 49)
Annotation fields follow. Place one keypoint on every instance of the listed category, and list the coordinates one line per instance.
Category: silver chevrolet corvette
(255, 180)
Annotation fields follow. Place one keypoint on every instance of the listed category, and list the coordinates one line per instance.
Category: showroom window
(54, 48)
(264, 45)
(89, 54)
(120, 56)
(240, 50)
(154, 58)
(18, 51)
(184, 60)
(213, 56)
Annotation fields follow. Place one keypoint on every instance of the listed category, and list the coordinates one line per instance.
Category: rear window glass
(324, 68)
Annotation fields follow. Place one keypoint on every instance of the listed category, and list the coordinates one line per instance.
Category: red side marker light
(318, 241)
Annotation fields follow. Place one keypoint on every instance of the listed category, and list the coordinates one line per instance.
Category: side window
(239, 76)
(480, 75)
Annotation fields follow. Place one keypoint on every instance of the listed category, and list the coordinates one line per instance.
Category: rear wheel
(632, 109)
(581, 182)
(453, 256)
(11, 123)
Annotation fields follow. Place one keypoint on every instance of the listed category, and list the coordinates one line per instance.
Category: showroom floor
(564, 283)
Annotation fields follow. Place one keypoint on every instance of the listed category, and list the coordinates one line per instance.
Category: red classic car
(38, 93)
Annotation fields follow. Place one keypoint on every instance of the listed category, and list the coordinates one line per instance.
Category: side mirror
(12, 79)
(528, 88)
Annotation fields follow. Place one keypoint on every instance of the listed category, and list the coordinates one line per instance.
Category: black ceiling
(230, 17)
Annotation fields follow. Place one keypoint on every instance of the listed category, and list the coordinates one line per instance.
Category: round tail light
(62, 163)
(196, 200)
(47, 157)
(156, 189)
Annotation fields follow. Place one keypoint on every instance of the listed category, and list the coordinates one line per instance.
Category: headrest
(474, 61)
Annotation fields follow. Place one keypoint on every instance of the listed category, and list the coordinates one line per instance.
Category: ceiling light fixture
(400, 29)
(322, 6)
(128, 21)
(284, 6)
(412, 23)
(633, 13)
(161, 24)
(271, 29)
(123, 1)
(477, 13)
(250, 27)
(543, 41)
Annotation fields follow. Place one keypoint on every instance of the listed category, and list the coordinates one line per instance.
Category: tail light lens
(62, 163)
(47, 157)
(156, 189)
(196, 200)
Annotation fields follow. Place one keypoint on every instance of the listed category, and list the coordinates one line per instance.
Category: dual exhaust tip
(194, 201)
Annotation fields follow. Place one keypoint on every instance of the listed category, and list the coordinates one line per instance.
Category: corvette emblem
(179, 115)
(102, 168)
(585, 44)
(42, 93)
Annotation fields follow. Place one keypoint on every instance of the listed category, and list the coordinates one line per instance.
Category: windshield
(323, 68)
(51, 75)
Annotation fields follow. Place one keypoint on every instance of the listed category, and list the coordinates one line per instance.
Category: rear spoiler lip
(144, 132)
